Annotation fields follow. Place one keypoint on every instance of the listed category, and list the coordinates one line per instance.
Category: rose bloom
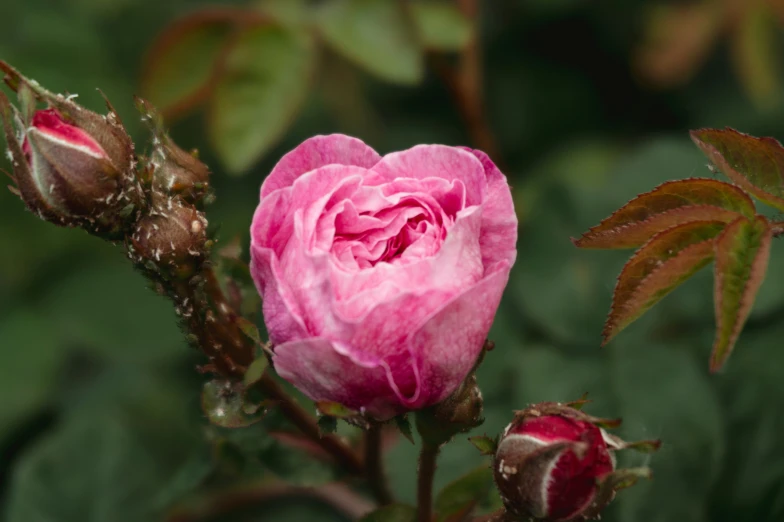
(380, 276)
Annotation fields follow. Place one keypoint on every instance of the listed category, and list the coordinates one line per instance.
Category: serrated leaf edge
(599, 231)
(736, 177)
(611, 325)
(757, 270)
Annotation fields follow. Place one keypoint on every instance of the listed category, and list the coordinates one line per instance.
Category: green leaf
(391, 513)
(742, 253)
(404, 425)
(754, 164)
(667, 205)
(334, 409)
(182, 63)
(441, 25)
(266, 79)
(484, 444)
(249, 329)
(660, 266)
(376, 35)
(255, 371)
(460, 497)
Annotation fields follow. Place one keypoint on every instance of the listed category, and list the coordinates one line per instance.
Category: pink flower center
(407, 227)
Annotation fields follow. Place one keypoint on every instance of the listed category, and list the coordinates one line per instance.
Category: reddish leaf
(755, 164)
(183, 63)
(667, 205)
(676, 41)
(742, 252)
(666, 261)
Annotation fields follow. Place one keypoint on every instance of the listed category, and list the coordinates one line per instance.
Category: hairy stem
(306, 423)
(214, 329)
(427, 471)
(374, 465)
(465, 84)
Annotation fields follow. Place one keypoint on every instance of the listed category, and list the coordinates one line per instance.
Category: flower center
(400, 234)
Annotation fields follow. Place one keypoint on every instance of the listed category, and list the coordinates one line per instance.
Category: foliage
(681, 226)
(254, 66)
(85, 373)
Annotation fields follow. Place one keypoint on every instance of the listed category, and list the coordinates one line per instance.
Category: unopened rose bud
(460, 412)
(555, 463)
(177, 172)
(169, 169)
(171, 239)
(71, 166)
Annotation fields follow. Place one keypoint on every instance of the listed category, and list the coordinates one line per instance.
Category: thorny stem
(778, 228)
(465, 84)
(427, 471)
(230, 352)
(374, 464)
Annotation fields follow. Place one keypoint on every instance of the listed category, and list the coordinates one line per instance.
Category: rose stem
(343, 454)
(231, 351)
(427, 470)
(465, 84)
(374, 464)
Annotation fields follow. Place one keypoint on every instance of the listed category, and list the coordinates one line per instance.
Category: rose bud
(460, 412)
(556, 463)
(171, 170)
(381, 276)
(71, 166)
(171, 239)
(177, 172)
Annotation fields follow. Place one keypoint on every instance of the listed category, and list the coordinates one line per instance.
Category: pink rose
(380, 276)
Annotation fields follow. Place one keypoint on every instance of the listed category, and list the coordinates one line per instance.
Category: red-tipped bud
(71, 166)
(171, 239)
(555, 463)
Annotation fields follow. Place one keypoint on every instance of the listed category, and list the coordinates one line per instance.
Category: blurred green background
(589, 102)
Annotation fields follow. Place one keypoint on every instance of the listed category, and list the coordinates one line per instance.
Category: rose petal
(437, 161)
(316, 152)
(319, 371)
(422, 368)
(457, 265)
(450, 341)
(499, 227)
(281, 315)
